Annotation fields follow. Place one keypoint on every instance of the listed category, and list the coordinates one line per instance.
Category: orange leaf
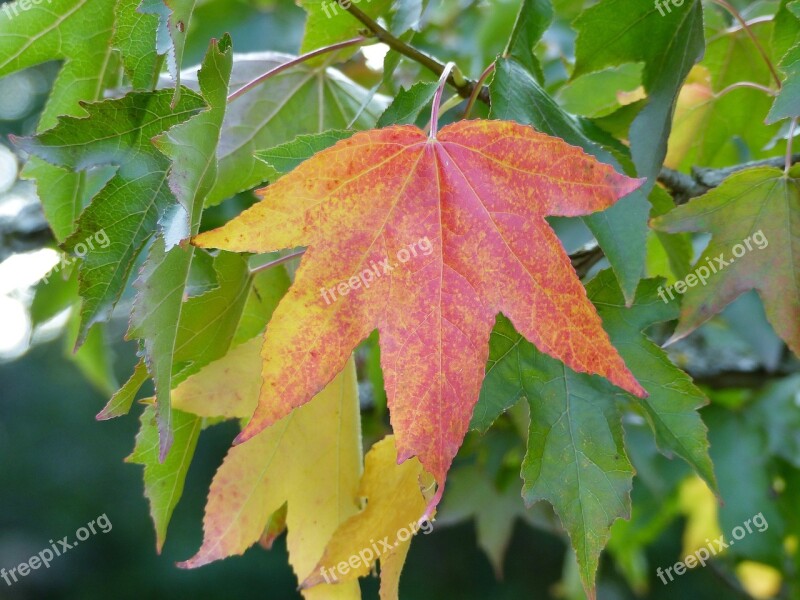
(427, 240)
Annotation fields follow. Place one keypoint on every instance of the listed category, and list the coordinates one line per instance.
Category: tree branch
(465, 87)
(683, 186)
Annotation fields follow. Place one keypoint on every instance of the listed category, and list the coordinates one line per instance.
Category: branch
(751, 380)
(465, 87)
(713, 177)
(683, 186)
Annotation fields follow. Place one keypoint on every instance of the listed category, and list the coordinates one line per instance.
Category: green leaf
(94, 358)
(532, 21)
(164, 480)
(135, 38)
(173, 23)
(776, 409)
(328, 22)
(621, 230)
(786, 32)
(787, 103)
(614, 32)
(301, 100)
(472, 494)
(121, 402)
(407, 15)
(596, 94)
(673, 251)
(55, 293)
(211, 323)
(742, 463)
(285, 157)
(164, 279)
(755, 225)
(673, 401)
(77, 32)
(136, 199)
(407, 105)
(576, 457)
(731, 127)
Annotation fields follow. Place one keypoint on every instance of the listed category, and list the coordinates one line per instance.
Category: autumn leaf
(295, 102)
(224, 388)
(430, 239)
(319, 443)
(754, 221)
(394, 505)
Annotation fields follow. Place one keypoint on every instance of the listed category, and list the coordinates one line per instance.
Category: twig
(751, 380)
(736, 15)
(478, 86)
(463, 86)
(681, 185)
(584, 260)
(294, 62)
(713, 177)
(745, 84)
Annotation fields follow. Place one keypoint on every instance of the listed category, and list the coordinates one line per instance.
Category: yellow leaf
(227, 387)
(699, 505)
(761, 581)
(310, 460)
(391, 567)
(695, 101)
(395, 503)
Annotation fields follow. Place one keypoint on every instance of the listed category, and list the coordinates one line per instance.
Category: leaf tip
(674, 338)
(625, 185)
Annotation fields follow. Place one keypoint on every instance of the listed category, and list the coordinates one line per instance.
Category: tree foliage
(269, 212)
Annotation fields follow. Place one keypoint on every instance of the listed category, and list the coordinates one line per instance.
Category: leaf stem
(478, 86)
(294, 62)
(437, 99)
(788, 163)
(737, 15)
(463, 86)
(745, 84)
(277, 261)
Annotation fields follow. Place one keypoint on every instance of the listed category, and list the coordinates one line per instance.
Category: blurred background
(60, 468)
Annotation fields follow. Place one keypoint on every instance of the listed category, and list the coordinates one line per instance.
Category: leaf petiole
(437, 99)
(294, 62)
